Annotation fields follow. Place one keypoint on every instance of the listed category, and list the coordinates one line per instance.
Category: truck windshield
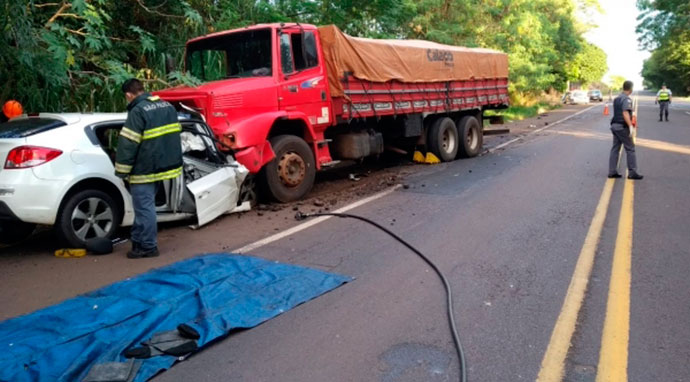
(236, 55)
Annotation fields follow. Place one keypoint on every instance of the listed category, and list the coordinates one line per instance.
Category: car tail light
(30, 156)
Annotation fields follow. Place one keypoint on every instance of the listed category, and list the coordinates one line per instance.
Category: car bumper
(28, 199)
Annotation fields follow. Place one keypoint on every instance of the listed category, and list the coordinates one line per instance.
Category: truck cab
(263, 87)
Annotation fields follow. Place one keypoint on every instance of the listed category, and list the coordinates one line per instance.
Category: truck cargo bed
(373, 99)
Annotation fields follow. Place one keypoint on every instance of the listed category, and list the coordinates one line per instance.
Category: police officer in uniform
(663, 98)
(148, 152)
(621, 123)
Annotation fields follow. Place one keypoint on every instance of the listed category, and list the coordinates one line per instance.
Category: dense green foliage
(665, 28)
(616, 82)
(72, 55)
(589, 65)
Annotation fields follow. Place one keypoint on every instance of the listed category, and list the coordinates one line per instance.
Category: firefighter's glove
(179, 342)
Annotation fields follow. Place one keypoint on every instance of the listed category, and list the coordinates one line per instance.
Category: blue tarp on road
(213, 293)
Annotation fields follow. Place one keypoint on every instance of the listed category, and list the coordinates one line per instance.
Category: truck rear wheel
(443, 139)
(290, 175)
(471, 138)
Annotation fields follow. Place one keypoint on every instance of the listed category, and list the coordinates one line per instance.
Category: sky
(616, 36)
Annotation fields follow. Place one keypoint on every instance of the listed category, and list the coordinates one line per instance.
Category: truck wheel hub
(448, 140)
(291, 169)
(472, 138)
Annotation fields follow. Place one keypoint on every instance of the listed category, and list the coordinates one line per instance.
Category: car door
(217, 192)
(214, 194)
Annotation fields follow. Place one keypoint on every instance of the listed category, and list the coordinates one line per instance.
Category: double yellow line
(613, 356)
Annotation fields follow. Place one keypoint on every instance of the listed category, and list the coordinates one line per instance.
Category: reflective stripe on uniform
(153, 98)
(123, 168)
(131, 135)
(663, 95)
(150, 178)
(162, 130)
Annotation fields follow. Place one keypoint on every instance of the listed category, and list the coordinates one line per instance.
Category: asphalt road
(507, 228)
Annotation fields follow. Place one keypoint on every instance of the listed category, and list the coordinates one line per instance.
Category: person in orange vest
(10, 110)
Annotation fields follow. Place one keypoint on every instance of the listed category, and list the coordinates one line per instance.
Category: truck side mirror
(170, 64)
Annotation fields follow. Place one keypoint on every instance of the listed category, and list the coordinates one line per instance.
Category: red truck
(293, 99)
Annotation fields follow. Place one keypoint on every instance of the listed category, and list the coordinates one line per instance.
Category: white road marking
(312, 222)
(502, 145)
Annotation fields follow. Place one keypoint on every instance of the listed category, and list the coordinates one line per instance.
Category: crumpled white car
(58, 170)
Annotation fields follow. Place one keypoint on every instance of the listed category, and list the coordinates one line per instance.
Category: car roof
(89, 118)
(73, 118)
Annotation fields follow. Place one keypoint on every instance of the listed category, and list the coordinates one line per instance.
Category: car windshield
(24, 127)
(235, 55)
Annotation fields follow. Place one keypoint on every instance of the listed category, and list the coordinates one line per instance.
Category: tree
(589, 65)
(72, 55)
(663, 27)
(616, 82)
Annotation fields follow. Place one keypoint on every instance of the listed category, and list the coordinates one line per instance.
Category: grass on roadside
(518, 113)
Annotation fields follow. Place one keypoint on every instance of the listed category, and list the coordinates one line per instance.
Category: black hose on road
(446, 284)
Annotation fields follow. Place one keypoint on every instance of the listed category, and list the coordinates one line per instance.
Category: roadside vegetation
(664, 29)
(518, 113)
(73, 55)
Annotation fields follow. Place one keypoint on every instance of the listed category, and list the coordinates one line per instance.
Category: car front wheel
(86, 215)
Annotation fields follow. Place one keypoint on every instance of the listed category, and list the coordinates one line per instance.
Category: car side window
(107, 135)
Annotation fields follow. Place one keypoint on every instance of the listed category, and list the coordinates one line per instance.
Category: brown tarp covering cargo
(404, 60)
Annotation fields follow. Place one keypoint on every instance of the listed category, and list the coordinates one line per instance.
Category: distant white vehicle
(579, 97)
(57, 170)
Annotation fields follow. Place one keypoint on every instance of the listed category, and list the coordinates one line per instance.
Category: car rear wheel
(12, 232)
(290, 175)
(86, 215)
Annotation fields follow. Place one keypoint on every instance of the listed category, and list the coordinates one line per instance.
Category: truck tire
(12, 232)
(471, 137)
(290, 175)
(85, 215)
(443, 139)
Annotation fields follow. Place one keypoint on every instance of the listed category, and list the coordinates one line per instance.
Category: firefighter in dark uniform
(148, 152)
(621, 123)
(663, 98)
